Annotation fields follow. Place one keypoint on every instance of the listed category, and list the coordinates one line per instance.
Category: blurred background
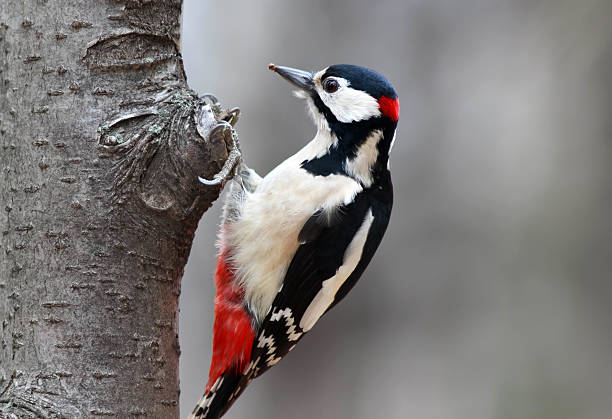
(490, 296)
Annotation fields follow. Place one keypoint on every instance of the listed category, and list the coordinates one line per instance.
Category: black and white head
(356, 108)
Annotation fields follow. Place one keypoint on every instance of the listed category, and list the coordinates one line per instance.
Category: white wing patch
(325, 296)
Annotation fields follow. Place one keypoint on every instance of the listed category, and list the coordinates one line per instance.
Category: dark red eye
(330, 85)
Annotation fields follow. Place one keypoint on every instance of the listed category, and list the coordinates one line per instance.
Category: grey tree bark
(101, 146)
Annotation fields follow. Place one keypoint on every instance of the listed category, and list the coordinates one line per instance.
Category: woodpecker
(293, 243)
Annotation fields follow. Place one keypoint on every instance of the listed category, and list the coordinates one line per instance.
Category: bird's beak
(299, 78)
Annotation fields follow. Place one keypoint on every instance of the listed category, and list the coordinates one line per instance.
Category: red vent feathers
(389, 107)
(232, 332)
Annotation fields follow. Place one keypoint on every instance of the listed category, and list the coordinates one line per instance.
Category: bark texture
(101, 144)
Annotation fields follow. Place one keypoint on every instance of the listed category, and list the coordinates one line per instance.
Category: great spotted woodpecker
(293, 243)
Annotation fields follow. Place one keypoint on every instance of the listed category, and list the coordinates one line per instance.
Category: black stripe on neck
(350, 137)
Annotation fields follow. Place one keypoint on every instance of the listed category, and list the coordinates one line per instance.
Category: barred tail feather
(220, 397)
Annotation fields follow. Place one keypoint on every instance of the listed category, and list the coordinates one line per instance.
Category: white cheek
(350, 105)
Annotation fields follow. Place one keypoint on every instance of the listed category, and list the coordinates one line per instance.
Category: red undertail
(232, 332)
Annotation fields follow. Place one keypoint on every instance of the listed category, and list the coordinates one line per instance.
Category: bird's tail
(233, 336)
(220, 397)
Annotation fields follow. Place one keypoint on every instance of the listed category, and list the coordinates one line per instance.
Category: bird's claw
(210, 99)
(231, 116)
(225, 127)
(228, 170)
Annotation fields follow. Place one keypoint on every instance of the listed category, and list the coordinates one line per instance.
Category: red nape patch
(389, 107)
(232, 332)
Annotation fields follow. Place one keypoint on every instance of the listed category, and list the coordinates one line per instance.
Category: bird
(293, 243)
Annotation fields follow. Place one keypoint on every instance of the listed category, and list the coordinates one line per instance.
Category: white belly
(264, 238)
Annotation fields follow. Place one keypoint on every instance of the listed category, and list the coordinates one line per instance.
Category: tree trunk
(102, 143)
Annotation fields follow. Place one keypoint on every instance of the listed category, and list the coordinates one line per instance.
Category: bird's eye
(330, 85)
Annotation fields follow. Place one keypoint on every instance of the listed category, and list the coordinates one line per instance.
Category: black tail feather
(220, 397)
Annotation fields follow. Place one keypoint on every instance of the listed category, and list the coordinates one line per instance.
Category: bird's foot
(228, 115)
(231, 116)
(225, 129)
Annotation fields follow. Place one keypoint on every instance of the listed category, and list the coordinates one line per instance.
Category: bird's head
(350, 105)
(345, 93)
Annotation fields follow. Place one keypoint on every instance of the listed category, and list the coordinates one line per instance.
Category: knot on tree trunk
(159, 147)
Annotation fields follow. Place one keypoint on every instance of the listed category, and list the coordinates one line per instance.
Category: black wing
(381, 209)
(325, 240)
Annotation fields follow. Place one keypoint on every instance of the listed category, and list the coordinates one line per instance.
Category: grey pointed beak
(299, 78)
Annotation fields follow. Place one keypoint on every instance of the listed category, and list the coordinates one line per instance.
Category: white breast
(264, 237)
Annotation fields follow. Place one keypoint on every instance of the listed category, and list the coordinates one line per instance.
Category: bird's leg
(229, 115)
(225, 128)
(228, 171)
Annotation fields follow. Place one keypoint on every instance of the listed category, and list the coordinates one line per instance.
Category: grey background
(490, 294)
